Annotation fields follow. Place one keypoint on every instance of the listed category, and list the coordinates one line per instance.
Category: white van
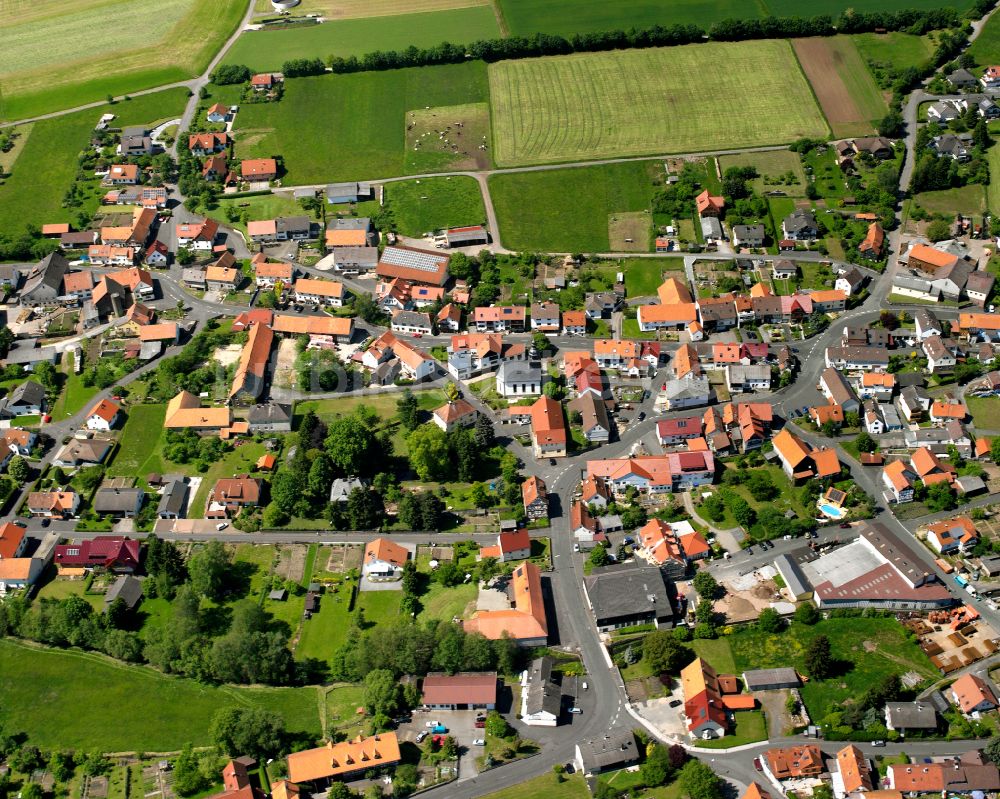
(222, 526)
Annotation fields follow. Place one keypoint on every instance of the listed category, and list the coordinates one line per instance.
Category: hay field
(569, 210)
(268, 50)
(695, 98)
(843, 85)
(97, 55)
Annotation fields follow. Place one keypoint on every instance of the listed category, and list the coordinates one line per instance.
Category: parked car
(478, 742)
(628, 540)
(878, 743)
(676, 702)
(480, 725)
(757, 765)
(440, 729)
(421, 735)
(641, 416)
(431, 724)
(575, 710)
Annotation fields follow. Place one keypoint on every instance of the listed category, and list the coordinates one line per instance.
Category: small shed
(278, 595)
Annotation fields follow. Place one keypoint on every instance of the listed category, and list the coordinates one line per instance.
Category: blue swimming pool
(832, 511)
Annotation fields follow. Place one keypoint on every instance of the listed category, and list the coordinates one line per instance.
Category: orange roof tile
(345, 757)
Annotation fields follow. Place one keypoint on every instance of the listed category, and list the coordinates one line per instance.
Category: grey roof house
(124, 502)
(341, 489)
(126, 588)
(27, 399)
(173, 499)
(44, 282)
(615, 750)
(629, 594)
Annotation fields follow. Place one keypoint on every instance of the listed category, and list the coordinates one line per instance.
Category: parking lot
(461, 726)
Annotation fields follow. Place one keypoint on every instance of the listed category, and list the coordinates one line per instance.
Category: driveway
(461, 726)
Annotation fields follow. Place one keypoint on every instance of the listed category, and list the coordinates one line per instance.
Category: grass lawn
(430, 204)
(573, 786)
(44, 170)
(141, 442)
(262, 50)
(262, 206)
(383, 404)
(967, 200)
(91, 60)
(789, 498)
(446, 603)
(750, 726)
(74, 394)
(630, 329)
(351, 127)
(42, 694)
(868, 649)
(643, 276)
(324, 632)
(900, 50)
(379, 607)
(569, 209)
(342, 703)
(985, 412)
(583, 105)
(717, 652)
(239, 461)
(62, 589)
(772, 166)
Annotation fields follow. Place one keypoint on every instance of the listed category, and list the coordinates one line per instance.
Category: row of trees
(543, 44)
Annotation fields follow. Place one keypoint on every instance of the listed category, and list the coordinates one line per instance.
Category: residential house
(616, 750)
(800, 461)
(709, 205)
(574, 323)
(873, 244)
(601, 304)
(197, 236)
(535, 498)
(755, 377)
(121, 175)
(320, 292)
(828, 301)
(223, 275)
(979, 287)
(545, 317)
(384, 560)
(898, 479)
(914, 402)
(202, 144)
(972, 694)
(784, 269)
(854, 773)
(704, 712)
(119, 502)
(259, 170)
(541, 696)
(678, 430)
(630, 594)
(230, 495)
(500, 319)
(388, 354)
(510, 546)
(449, 318)
(835, 388)
(874, 359)
(793, 762)
(453, 415)
(595, 424)
(906, 717)
(548, 428)
(675, 316)
(800, 225)
(27, 399)
(615, 353)
(748, 235)
(105, 415)
(951, 535)
(926, 324)
(942, 411)
(686, 393)
(184, 411)
(53, 504)
(79, 452)
(267, 274)
(876, 385)
(112, 553)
